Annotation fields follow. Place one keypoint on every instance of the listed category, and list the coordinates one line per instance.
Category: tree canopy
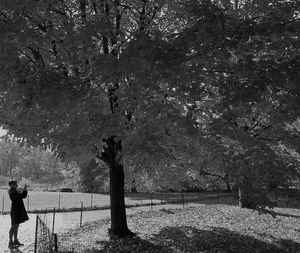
(139, 79)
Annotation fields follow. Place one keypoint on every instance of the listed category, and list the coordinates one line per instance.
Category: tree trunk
(244, 198)
(133, 187)
(226, 179)
(117, 202)
(228, 188)
(118, 223)
(241, 197)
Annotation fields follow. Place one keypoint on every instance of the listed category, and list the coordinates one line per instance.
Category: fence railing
(45, 239)
(65, 245)
(36, 204)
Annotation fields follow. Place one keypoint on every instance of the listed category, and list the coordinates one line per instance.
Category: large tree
(104, 79)
(130, 79)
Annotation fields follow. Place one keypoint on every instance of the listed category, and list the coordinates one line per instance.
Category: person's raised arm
(24, 192)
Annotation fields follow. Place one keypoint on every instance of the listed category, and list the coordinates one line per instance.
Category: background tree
(40, 166)
(9, 161)
(94, 176)
(71, 173)
(256, 87)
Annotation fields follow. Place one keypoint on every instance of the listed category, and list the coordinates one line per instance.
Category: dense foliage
(94, 176)
(148, 81)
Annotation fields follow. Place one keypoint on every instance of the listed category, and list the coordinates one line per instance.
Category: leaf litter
(205, 228)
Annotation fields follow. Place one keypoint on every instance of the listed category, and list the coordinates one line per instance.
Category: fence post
(81, 214)
(91, 201)
(2, 204)
(53, 224)
(55, 242)
(28, 202)
(58, 201)
(141, 198)
(161, 198)
(182, 196)
(36, 232)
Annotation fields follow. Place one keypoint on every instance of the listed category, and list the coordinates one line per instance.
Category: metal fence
(45, 239)
(37, 204)
(65, 245)
(70, 247)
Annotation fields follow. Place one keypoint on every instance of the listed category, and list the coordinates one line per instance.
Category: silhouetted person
(18, 212)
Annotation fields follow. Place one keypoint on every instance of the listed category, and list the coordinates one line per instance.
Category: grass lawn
(215, 228)
(38, 200)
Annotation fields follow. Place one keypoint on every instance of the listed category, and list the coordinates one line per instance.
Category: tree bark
(241, 197)
(244, 195)
(228, 188)
(110, 156)
(117, 203)
(226, 179)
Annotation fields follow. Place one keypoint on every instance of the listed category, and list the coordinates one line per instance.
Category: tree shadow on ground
(189, 240)
(275, 214)
(234, 202)
(128, 245)
(17, 250)
(221, 240)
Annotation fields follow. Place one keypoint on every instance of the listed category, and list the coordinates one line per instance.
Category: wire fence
(45, 239)
(65, 246)
(53, 225)
(42, 202)
(49, 242)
